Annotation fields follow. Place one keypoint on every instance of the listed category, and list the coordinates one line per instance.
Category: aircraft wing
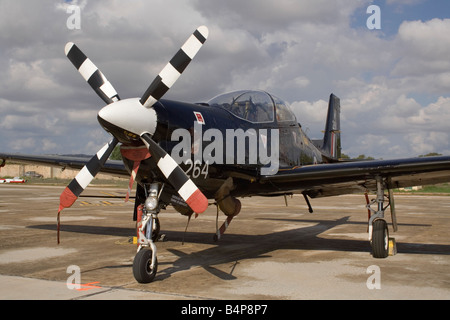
(113, 167)
(332, 179)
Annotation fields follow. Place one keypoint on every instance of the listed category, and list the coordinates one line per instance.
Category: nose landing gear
(145, 264)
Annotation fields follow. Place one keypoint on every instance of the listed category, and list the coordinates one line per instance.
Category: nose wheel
(144, 270)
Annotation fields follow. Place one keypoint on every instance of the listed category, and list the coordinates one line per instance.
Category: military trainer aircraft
(239, 144)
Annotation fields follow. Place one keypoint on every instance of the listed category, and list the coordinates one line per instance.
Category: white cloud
(426, 143)
(48, 145)
(264, 17)
(425, 47)
(24, 144)
(315, 112)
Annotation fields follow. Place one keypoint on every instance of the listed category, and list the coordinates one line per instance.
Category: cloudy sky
(394, 82)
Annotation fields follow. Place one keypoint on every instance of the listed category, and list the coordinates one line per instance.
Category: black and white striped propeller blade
(160, 85)
(172, 71)
(91, 74)
(176, 176)
(84, 177)
(106, 91)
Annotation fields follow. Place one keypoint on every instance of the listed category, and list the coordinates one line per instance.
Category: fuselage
(254, 134)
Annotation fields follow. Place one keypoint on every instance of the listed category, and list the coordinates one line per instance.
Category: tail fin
(331, 145)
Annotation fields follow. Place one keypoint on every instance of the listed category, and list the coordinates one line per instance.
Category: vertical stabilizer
(331, 146)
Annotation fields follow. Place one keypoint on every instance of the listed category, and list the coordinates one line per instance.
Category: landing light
(151, 203)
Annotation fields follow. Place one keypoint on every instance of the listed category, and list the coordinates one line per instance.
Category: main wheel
(142, 271)
(380, 239)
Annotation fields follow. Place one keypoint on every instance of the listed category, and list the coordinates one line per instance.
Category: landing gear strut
(145, 264)
(378, 230)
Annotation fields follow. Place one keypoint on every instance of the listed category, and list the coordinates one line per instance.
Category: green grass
(438, 188)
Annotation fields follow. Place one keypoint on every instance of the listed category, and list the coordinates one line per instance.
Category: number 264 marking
(196, 169)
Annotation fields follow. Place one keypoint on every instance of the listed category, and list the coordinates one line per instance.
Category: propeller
(136, 116)
(91, 74)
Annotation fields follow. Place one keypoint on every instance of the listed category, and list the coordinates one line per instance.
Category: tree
(116, 155)
(363, 157)
(431, 154)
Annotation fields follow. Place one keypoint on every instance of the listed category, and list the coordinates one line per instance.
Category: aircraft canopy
(254, 106)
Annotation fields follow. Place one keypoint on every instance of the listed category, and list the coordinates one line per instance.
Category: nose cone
(128, 119)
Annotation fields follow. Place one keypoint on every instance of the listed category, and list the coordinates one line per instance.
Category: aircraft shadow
(98, 230)
(232, 248)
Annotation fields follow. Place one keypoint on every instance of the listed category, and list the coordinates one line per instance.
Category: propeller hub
(127, 120)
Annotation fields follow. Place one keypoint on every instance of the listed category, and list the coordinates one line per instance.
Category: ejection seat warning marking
(199, 117)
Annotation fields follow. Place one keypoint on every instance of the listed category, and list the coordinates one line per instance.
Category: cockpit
(254, 106)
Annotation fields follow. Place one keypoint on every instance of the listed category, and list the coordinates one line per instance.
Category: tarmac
(270, 251)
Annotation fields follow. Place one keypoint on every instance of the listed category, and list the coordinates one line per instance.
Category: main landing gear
(379, 239)
(145, 264)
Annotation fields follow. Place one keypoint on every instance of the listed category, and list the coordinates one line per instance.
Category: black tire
(141, 266)
(380, 239)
